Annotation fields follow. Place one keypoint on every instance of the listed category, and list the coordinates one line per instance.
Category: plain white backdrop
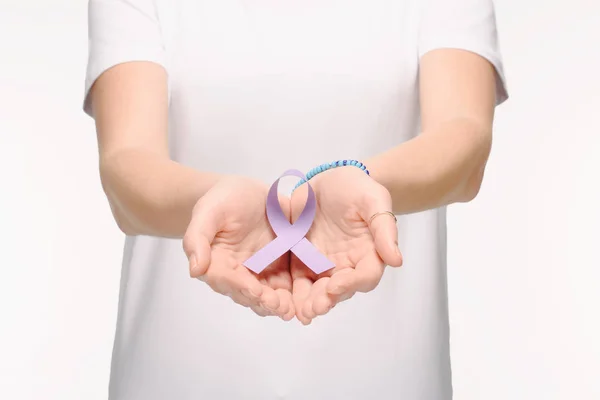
(524, 268)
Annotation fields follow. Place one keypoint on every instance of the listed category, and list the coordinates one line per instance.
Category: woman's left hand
(346, 199)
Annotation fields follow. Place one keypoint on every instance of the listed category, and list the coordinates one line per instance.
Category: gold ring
(381, 213)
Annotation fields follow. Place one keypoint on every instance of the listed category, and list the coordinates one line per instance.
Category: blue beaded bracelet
(324, 167)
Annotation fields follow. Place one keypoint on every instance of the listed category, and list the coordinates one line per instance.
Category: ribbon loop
(290, 237)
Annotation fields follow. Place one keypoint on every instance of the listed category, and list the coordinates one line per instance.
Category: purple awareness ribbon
(290, 237)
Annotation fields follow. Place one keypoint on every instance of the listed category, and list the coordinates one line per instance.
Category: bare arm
(445, 163)
(149, 194)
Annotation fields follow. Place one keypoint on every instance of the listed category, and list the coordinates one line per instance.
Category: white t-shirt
(258, 87)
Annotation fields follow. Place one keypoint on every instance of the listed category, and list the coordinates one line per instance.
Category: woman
(201, 104)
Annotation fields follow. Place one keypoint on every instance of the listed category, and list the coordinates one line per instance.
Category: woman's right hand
(228, 225)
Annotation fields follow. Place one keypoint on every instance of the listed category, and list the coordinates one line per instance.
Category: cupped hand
(227, 226)
(346, 200)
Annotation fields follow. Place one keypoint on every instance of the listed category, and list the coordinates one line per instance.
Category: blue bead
(353, 162)
(345, 161)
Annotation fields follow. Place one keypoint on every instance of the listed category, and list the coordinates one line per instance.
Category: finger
(317, 290)
(322, 301)
(286, 305)
(301, 289)
(341, 287)
(246, 284)
(268, 299)
(241, 299)
(219, 285)
(230, 283)
(363, 278)
(276, 278)
(200, 233)
(340, 281)
(384, 230)
(258, 310)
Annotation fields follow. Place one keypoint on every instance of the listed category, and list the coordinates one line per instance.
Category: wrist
(356, 165)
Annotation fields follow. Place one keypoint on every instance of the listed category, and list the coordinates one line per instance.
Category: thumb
(200, 233)
(382, 225)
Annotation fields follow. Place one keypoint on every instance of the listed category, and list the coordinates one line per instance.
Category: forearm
(441, 166)
(150, 194)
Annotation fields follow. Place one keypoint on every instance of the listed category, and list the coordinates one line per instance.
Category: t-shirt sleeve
(121, 31)
(463, 24)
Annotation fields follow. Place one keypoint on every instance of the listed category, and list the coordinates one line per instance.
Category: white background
(523, 257)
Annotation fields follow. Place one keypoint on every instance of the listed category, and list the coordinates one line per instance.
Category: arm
(445, 163)
(148, 193)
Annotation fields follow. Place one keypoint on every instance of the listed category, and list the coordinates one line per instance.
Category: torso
(258, 87)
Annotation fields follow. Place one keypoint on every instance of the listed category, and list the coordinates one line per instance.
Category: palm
(342, 233)
(231, 218)
(339, 231)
